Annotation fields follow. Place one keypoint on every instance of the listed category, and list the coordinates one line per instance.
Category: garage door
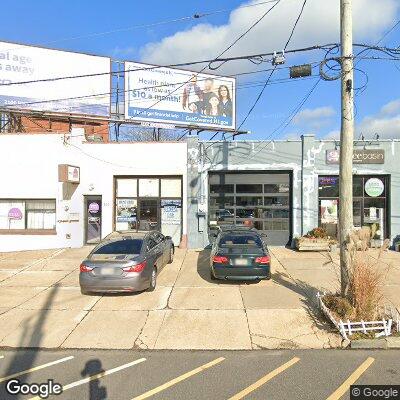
(258, 199)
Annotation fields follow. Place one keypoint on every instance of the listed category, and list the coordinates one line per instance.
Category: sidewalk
(41, 305)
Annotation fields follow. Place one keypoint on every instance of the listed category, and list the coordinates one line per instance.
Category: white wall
(29, 169)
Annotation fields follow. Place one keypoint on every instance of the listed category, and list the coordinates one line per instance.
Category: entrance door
(93, 219)
(149, 214)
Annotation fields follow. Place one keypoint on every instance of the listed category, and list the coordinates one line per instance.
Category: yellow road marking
(97, 376)
(264, 379)
(27, 371)
(344, 387)
(178, 379)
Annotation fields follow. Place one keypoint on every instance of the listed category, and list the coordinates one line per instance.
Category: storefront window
(126, 187)
(171, 188)
(221, 189)
(249, 188)
(148, 187)
(126, 214)
(369, 204)
(28, 214)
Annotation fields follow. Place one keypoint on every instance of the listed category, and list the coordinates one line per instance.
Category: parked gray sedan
(126, 261)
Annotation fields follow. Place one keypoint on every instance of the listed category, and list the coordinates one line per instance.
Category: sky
(143, 31)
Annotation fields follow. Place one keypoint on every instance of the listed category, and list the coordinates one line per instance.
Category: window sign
(126, 210)
(329, 211)
(94, 208)
(171, 212)
(374, 187)
(15, 213)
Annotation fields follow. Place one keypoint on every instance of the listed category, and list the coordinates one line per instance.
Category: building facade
(58, 190)
(61, 191)
(286, 188)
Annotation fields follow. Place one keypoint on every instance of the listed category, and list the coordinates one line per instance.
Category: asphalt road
(131, 374)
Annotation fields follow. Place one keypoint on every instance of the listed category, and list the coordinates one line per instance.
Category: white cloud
(386, 128)
(314, 117)
(385, 123)
(393, 107)
(319, 25)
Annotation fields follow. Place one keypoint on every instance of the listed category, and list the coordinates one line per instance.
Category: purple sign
(15, 213)
(94, 208)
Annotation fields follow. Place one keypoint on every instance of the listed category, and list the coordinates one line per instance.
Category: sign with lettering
(360, 156)
(69, 173)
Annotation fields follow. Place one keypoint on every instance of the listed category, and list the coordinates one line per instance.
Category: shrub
(319, 233)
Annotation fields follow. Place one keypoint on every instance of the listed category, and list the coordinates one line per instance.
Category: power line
(273, 70)
(185, 64)
(195, 16)
(221, 54)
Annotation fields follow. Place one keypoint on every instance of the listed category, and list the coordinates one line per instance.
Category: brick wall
(41, 125)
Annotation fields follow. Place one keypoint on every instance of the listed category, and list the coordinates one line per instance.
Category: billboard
(179, 97)
(20, 63)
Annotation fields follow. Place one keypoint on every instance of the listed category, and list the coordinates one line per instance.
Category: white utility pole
(346, 141)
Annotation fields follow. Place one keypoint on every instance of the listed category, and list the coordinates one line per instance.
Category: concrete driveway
(41, 305)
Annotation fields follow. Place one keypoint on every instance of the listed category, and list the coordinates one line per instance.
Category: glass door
(93, 219)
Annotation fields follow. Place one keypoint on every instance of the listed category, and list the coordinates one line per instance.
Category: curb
(385, 343)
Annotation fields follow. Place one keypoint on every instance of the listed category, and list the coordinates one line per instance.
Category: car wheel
(171, 255)
(212, 277)
(153, 280)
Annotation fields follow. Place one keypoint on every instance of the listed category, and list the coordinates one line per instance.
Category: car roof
(237, 228)
(127, 234)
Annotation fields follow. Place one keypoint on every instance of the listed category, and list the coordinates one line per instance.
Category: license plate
(241, 261)
(106, 271)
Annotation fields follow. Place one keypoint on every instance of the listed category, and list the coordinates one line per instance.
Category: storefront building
(286, 188)
(59, 191)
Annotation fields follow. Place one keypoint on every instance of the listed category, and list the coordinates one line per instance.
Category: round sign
(15, 213)
(374, 187)
(94, 208)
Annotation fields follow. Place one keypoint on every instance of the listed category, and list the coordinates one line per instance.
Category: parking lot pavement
(41, 305)
(176, 375)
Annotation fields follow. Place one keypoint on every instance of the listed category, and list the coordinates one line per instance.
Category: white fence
(348, 328)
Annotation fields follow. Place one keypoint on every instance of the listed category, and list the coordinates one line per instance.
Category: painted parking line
(27, 371)
(97, 376)
(178, 379)
(1, 357)
(264, 379)
(344, 387)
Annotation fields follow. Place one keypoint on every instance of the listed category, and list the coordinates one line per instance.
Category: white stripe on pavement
(27, 371)
(96, 376)
(178, 379)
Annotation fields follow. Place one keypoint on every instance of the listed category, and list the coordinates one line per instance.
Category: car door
(162, 242)
(155, 251)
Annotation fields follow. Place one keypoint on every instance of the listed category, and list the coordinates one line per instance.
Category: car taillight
(135, 268)
(263, 260)
(220, 260)
(85, 268)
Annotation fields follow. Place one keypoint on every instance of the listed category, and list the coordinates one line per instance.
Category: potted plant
(315, 240)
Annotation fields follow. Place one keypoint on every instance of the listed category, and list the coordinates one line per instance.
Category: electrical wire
(273, 70)
(194, 16)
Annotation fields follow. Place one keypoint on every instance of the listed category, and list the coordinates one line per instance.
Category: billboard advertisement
(179, 97)
(20, 63)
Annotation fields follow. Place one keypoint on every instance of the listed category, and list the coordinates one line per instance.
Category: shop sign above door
(360, 156)
(69, 173)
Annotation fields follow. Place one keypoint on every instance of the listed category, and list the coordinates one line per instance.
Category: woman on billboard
(213, 106)
(225, 102)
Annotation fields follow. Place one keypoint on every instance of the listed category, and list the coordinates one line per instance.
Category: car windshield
(232, 239)
(125, 246)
